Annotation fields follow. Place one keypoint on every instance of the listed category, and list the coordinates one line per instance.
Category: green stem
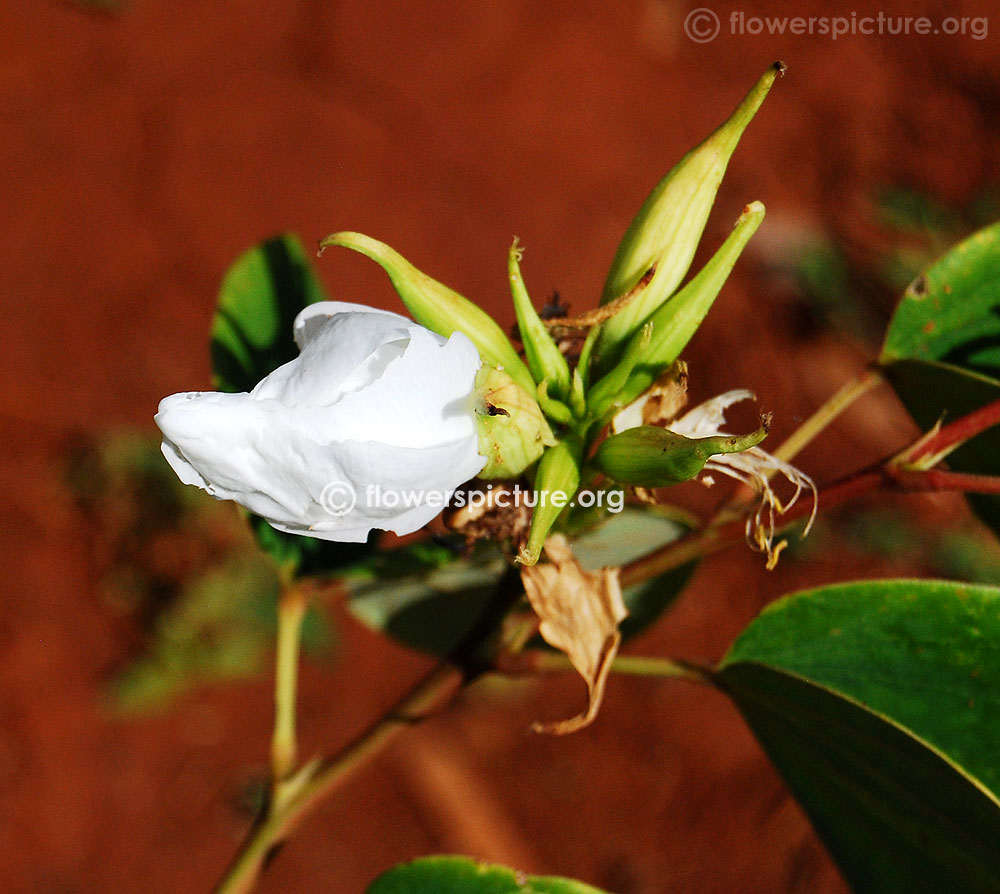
(425, 699)
(532, 661)
(302, 791)
(847, 395)
(291, 610)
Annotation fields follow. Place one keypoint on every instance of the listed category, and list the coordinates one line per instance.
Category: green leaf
(628, 535)
(942, 350)
(879, 702)
(461, 875)
(261, 295)
(424, 596)
(428, 598)
(951, 312)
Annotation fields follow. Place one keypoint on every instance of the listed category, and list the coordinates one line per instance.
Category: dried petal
(580, 612)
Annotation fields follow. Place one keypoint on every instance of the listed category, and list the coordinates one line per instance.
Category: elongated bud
(545, 360)
(608, 392)
(666, 231)
(437, 307)
(676, 321)
(556, 482)
(650, 456)
(513, 432)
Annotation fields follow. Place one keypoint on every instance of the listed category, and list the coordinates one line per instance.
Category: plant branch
(830, 410)
(535, 661)
(291, 610)
(304, 790)
(943, 480)
(939, 444)
(429, 695)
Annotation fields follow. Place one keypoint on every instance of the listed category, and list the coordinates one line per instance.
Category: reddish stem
(959, 431)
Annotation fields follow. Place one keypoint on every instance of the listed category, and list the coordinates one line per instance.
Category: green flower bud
(545, 360)
(665, 233)
(513, 432)
(650, 456)
(671, 327)
(556, 481)
(440, 309)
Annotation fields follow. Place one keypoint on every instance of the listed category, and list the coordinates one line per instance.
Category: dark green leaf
(629, 535)
(308, 556)
(261, 295)
(896, 816)
(460, 875)
(880, 704)
(425, 596)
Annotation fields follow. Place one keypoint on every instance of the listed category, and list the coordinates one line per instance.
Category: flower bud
(650, 456)
(671, 327)
(440, 309)
(371, 426)
(556, 482)
(513, 432)
(545, 360)
(665, 233)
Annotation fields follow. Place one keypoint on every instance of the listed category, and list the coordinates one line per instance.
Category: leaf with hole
(942, 350)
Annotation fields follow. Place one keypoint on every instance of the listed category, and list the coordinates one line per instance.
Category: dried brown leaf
(579, 612)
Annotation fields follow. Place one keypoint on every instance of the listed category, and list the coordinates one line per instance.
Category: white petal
(630, 417)
(312, 318)
(424, 398)
(395, 489)
(337, 357)
(709, 418)
(240, 448)
(373, 398)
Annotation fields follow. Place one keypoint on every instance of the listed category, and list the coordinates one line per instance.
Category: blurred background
(146, 145)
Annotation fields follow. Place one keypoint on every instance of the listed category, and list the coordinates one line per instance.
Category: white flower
(373, 405)
(754, 467)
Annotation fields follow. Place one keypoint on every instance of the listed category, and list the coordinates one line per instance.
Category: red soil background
(143, 151)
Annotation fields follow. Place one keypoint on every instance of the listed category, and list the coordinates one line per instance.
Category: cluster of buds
(417, 408)
(425, 405)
